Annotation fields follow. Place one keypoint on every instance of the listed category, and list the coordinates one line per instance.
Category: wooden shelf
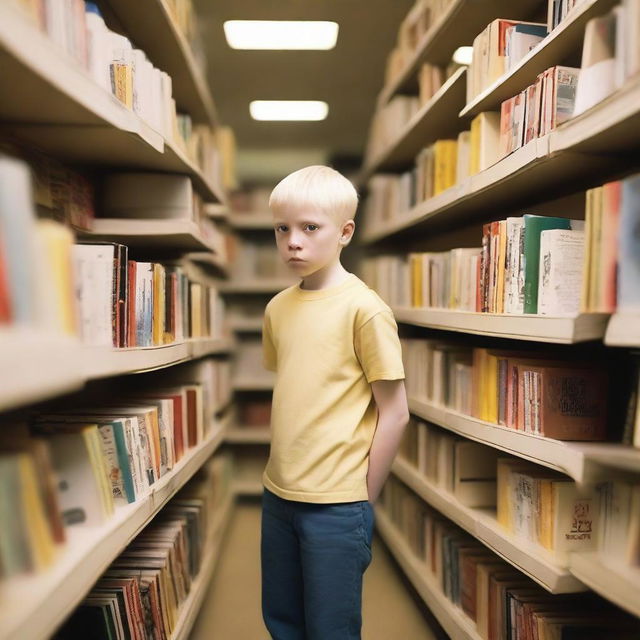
(564, 40)
(254, 384)
(30, 366)
(159, 234)
(249, 435)
(531, 559)
(33, 606)
(199, 587)
(153, 29)
(512, 182)
(456, 27)
(582, 461)
(621, 585)
(431, 123)
(246, 325)
(211, 260)
(536, 328)
(248, 488)
(216, 211)
(82, 123)
(454, 621)
(623, 330)
(252, 221)
(256, 286)
(200, 347)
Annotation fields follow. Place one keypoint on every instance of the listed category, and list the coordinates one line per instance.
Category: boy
(339, 410)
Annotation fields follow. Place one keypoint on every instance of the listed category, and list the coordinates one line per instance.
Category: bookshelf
(259, 383)
(456, 26)
(482, 524)
(564, 40)
(191, 606)
(33, 606)
(249, 435)
(453, 620)
(255, 286)
(432, 121)
(582, 328)
(164, 234)
(248, 488)
(82, 122)
(618, 584)
(246, 325)
(581, 461)
(167, 47)
(622, 330)
(252, 221)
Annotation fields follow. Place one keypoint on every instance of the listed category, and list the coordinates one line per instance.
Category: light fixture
(281, 34)
(288, 110)
(463, 55)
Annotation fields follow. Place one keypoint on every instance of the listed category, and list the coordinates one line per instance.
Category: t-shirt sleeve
(378, 348)
(269, 356)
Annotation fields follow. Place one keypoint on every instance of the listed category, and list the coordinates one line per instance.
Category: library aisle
(231, 607)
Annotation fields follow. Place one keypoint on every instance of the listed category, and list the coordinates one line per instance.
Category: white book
(166, 89)
(514, 227)
(144, 304)
(94, 270)
(575, 519)
(462, 162)
(560, 272)
(98, 49)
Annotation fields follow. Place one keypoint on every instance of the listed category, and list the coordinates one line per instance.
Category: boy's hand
(393, 414)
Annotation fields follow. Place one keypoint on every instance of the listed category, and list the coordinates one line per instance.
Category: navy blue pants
(313, 560)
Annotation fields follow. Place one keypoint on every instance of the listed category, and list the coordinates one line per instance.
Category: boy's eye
(281, 227)
(312, 227)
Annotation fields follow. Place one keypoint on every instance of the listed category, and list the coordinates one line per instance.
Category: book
(628, 291)
(484, 141)
(533, 226)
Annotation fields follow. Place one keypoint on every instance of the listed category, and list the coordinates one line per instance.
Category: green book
(533, 227)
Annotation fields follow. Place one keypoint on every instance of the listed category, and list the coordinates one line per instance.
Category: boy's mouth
(296, 260)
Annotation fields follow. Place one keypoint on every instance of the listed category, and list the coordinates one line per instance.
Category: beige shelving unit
(249, 435)
(55, 106)
(583, 152)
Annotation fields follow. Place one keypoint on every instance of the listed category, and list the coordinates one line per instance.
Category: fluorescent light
(281, 34)
(288, 110)
(463, 55)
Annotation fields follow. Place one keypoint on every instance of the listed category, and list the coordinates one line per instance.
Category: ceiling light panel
(289, 110)
(281, 34)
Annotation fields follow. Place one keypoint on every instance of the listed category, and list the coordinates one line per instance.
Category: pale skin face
(310, 242)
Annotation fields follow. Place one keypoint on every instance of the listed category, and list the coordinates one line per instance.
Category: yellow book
(158, 303)
(490, 377)
(502, 250)
(38, 531)
(416, 280)
(56, 242)
(122, 82)
(91, 437)
(585, 300)
(545, 522)
(196, 310)
(445, 165)
(595, 276)
(485, 141)
(502, 479)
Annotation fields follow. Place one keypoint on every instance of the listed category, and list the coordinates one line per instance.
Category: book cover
(533, 226)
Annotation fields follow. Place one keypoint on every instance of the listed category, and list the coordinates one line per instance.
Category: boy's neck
(329, 276)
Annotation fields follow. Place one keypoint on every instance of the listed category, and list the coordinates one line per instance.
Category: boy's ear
(347, 231)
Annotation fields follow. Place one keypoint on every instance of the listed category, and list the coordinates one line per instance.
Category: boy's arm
(393, 415)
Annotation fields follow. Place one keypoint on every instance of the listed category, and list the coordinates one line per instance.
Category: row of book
(92, 289)
(497, 599)
(533, 392)
(255, 413)
(141, 594)
(536, 504)
(532, 264)
(112, 61)
(422, 16)
(74, 467)
(256, 257)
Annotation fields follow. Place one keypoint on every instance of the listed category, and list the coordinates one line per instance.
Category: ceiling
(348, 78)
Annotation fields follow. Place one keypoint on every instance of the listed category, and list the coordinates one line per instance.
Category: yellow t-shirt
(326, 346)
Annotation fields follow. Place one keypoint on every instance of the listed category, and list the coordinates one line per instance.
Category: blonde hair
(317, 186)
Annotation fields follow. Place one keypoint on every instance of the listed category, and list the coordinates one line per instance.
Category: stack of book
(558, 10)
(498, 48)
(462, 468)
(411, 33)
(546, 508)
(529, 392)
(256, 258)
(538, 109)
(141, 594)
(497, 599)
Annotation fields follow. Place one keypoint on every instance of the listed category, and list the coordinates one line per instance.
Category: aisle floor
(231, 608)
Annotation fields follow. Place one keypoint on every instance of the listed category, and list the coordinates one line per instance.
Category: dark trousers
(313, 560)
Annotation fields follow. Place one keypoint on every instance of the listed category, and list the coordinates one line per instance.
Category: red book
(192, 417)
